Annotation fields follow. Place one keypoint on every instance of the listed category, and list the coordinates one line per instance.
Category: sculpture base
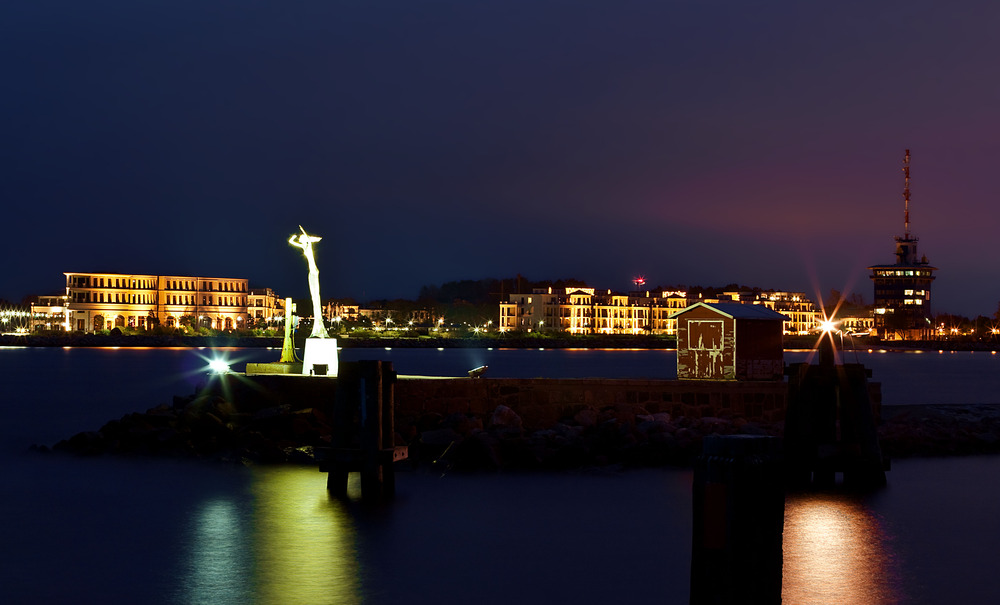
(320, 357)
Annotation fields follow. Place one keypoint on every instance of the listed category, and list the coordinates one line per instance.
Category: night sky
(693, 142)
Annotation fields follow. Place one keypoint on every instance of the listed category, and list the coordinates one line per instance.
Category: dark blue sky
(692, 142)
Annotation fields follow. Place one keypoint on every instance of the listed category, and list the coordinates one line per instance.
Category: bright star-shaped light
(218, 366)
(828, 326)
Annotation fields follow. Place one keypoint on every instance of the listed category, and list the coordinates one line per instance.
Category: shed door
(705, 342)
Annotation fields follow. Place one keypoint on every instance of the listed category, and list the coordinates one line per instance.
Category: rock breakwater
(208, 426)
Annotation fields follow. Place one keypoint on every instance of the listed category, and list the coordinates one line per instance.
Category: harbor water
(157, 531)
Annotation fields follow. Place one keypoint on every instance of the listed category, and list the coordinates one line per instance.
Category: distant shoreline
(519, 341)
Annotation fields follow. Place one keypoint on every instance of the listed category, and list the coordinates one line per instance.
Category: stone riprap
(492, 424)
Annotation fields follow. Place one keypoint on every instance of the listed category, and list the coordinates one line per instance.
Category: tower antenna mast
(906, 195)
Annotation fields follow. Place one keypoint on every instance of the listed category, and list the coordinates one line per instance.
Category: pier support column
(830, 425)
(739, 516)
(363, 431)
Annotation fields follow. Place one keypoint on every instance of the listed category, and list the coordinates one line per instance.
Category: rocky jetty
(940, 430)
(623, 435)
(207, 426)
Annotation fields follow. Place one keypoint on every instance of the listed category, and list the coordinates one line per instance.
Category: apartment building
(263, 303)
(579, 310)
(102, 301)
(803, 316)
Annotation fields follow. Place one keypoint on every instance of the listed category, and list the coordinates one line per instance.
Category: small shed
(729, 341)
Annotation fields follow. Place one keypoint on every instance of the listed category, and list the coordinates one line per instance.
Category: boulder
(505, 418)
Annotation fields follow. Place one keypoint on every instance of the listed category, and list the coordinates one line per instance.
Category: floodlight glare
(218, 366)
(477, 372)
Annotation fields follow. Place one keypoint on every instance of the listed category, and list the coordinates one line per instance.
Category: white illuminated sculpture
(321, 350)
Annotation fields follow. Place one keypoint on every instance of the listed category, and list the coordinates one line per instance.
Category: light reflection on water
(285, 541)
(304, 542)
(836, 551)
(219, 553)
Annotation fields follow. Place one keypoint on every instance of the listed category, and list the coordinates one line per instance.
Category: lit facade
(263, 303)
(857, 325)
(661, 313)
(338, 310)
(801, 314)
(49, 313)
(579, 310)
(533, 312)
(102, 301)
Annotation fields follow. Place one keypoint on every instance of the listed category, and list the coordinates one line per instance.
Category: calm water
(141, 531)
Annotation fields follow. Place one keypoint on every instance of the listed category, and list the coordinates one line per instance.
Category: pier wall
(540, 402)
(543, 402)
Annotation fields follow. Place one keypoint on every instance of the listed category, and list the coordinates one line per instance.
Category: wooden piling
(738, 519)
(363, 431)
(830, 426)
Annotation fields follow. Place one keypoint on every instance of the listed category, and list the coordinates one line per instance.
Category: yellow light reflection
(218, 556)
(303, 540)
(835, 552)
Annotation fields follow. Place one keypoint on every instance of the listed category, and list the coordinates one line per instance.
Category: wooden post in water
(363, 431)
(738, 520)
(830, 426)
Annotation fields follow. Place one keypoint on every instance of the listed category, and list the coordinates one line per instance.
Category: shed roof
(734, 310)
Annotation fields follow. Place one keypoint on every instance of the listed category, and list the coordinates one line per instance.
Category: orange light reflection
(835, 551)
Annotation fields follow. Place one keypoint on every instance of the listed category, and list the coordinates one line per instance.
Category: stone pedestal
(320, 352)
(276, 367)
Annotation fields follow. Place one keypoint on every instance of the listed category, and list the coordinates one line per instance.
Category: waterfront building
(102, 301)
(576, 314)
(49, 313)
(396, 315)
(903, 289)
(585, 310)
(532, 312)
(342, 310)
(264, 304)
(662, 305)
(856, 325)
(801, 314)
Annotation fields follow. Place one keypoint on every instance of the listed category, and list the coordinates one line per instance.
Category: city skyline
(690, 143)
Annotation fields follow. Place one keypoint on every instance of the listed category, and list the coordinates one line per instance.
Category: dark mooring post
(739, 516)
(830, 426)
(363, 430)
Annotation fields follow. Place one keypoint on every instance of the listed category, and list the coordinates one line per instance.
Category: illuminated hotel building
(802, 315)
(903, 290)
(263, 303)
(102, 301)
(49, 313)
(579, 310)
